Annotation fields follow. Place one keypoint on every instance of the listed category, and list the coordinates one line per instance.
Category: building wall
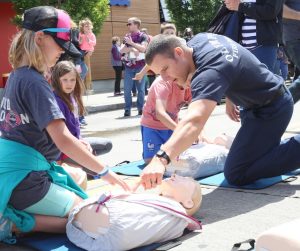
(115, 25)
(7, 32)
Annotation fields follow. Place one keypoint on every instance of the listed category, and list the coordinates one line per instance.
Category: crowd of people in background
(52, 132)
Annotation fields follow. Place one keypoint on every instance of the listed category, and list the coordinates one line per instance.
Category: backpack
(227, 23)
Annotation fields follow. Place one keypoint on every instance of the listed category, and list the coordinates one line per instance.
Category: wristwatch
(162, 154)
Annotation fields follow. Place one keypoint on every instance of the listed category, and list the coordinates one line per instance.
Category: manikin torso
(128, 221)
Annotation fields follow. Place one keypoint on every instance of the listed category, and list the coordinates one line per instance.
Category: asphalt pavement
(228, 215)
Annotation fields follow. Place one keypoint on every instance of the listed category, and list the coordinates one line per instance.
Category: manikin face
(50, 49)
(68, 82)
(180, 189)
(174, 70)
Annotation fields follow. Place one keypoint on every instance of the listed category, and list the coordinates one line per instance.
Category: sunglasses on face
(129, 24)
(62, 33)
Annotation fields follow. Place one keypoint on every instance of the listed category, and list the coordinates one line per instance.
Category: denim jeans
(267, 55)
(128, 84)
(293, 51)
(84, 69)
(257, 151)
(281, 69)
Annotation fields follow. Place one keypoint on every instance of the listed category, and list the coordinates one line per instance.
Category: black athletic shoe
(140, 112)
(127, 114)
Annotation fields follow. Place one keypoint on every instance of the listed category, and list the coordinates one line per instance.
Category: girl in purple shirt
(68, 89)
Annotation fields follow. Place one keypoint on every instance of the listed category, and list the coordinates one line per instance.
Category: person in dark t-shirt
(216, 66)
(35, 193)
(291, 40)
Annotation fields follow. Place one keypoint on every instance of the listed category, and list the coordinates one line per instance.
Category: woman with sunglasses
(37, 194)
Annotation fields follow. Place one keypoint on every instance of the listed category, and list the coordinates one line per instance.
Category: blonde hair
(24, 47)
(166, 26)
(115, 39)
(83, 22)
(136, 21)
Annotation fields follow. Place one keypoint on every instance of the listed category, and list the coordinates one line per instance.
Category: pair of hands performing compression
(153, 173)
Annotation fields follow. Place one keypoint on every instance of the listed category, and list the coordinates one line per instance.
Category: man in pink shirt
(160, 114)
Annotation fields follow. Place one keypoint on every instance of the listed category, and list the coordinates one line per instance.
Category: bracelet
(102, 173)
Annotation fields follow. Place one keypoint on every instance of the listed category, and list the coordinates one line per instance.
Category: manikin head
(184, 190)
(169, 57)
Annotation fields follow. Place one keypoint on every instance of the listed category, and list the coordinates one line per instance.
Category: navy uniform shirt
(223, 67)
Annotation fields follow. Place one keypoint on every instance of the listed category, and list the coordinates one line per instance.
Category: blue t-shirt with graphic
(224, 67)
(27, 108)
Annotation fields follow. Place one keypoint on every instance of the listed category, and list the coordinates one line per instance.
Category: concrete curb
(106, 108)
(108, 132)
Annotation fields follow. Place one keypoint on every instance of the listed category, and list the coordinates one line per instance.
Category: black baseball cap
(54, 22)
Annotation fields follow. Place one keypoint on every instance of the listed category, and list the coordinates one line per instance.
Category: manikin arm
(92, 219)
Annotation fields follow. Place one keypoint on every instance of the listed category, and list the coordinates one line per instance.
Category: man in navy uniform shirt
(216, 66)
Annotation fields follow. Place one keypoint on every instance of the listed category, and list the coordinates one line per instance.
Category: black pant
(118, 72)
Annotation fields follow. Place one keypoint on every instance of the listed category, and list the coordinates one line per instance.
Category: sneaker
(127, 113)
(140, 112)
(118, 94)
(82, 121)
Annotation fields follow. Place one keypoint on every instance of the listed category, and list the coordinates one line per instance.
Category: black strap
(178, 241)
(123, 162)
(290, 179)
(236, 246)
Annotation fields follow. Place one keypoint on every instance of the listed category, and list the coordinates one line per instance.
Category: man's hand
(152, 175)
(232, 111)
(128, 40)
(232, 4)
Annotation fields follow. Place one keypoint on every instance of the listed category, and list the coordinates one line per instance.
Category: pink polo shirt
(88, 41)
(170, 92)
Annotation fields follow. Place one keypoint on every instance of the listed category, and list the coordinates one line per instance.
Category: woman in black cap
(37, 194)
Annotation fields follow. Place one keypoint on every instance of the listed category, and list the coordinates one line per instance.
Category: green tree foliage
(95, 10)
(196, 14)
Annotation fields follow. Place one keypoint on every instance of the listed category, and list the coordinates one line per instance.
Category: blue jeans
(257, 151)
(84, 69)
(293, 51)
(128, 84)
(267, 55)
(281, 69)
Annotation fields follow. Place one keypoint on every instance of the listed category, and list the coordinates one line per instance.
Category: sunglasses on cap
(65, 34)
(62, 33)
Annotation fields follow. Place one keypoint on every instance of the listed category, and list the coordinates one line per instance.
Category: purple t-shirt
(139, 38)
(71, 120)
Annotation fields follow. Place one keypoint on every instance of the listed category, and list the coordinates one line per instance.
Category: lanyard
(104, 198)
